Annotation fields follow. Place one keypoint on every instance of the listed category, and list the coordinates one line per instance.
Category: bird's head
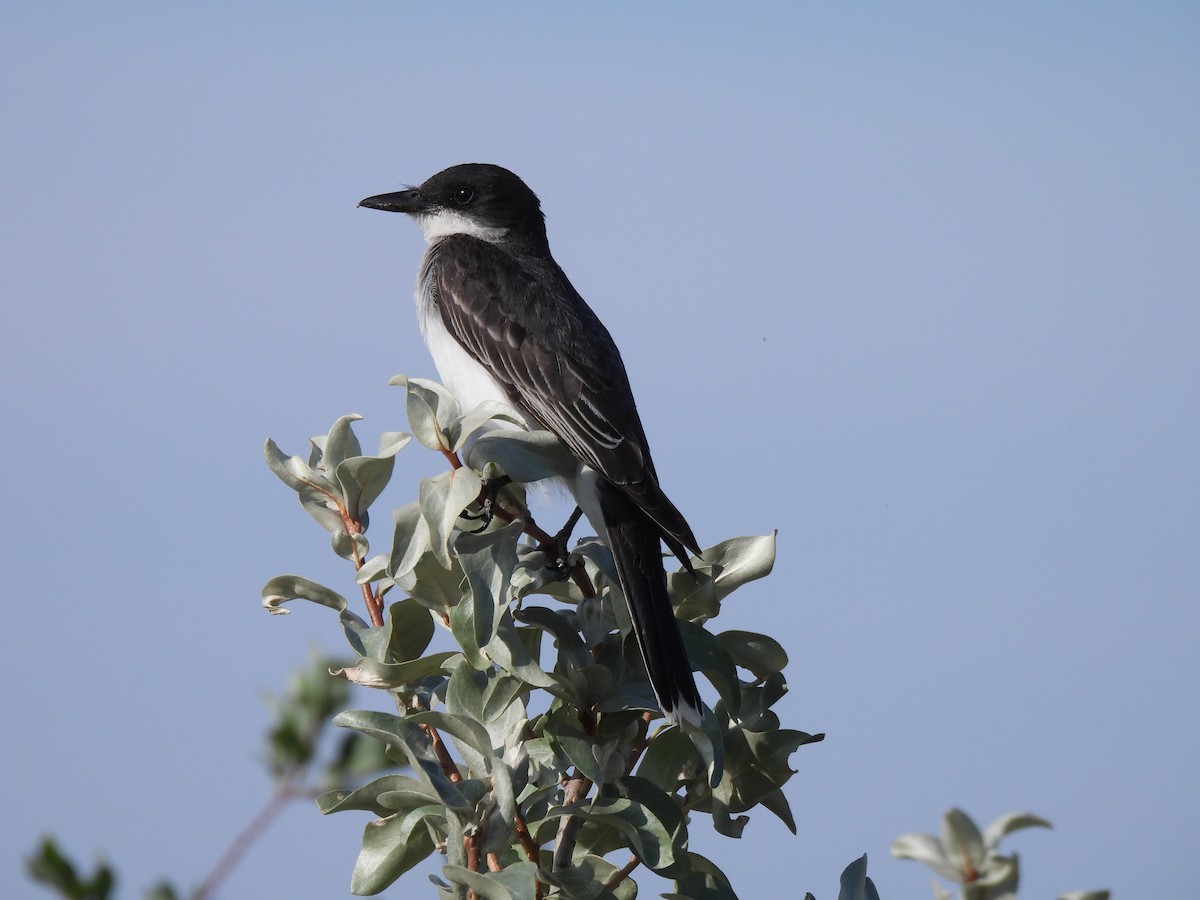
(478, 199)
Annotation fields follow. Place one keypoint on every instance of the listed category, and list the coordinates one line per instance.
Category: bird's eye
(463, 195)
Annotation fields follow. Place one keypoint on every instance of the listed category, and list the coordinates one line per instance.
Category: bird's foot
(556, 549)
(488, 503)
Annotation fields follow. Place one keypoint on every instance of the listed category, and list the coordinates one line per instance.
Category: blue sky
(915, 284)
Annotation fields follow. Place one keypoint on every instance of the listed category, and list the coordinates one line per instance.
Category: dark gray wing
(557, 362)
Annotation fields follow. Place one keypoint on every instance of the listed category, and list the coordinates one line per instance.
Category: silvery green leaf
(596, 619)
(464, 692)
(758, 653)
(517, 881)
(504, 710)
(1009, 823)
(694, 595)
(406, 736)
(777, 802)
(409, 630)
(927, 849)
(488, 414)
(323, 508)
(1085, 895)
(651, 831)
(524, 456)
(291, 470)
(585, 878)
(430, 408)
(362, 479)
(509, 651)
(373, 569)
(758, 765)
(310, 484)
(388, 676)
(598, 558)
(442, 499)
(432, 586)
(316, 452)
(723, 822)
(317, 494)
(370, 797)
(390, 847)
(573, 745)
(564, 632)
(739, 560)
(707, 655)
(349, 546)
(392, 442)
(409, 540)
(710, 743)
(961, 841)
(997, 880)
(488, 561)
(534, 573)
(341, 443)
(283, 588)
(501, 822)
(469, 736)
(704, 880)
(855, 885)
(669, 760)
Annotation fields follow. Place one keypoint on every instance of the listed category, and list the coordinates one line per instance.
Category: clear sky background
(916, 284)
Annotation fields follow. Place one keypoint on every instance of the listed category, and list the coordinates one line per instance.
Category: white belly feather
(472, 385)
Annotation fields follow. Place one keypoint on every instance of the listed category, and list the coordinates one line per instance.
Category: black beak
(409, 201)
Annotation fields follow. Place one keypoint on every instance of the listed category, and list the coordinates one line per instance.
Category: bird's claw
(489, 493)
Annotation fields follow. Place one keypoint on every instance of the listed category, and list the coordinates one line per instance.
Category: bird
(503, 322)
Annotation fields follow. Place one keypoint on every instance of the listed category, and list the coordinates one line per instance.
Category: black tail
(637, 549)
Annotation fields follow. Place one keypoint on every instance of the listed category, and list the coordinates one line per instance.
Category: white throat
(446, 222)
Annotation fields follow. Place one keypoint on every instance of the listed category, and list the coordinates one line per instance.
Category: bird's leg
(488, 502)
(559, 545)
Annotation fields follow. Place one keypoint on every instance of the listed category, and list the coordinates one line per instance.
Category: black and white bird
(502, 322)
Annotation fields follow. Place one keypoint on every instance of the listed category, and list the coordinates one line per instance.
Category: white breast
(467, 380)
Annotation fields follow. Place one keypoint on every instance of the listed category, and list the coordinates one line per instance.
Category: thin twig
(640, 747)
(568, 826)
(253, 831)
(449, 767)
(532, 851)
(618, 877)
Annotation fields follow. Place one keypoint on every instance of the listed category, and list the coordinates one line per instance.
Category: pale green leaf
(927, 849)
(400, 792)
(362, 479)
(442, 499)
(374, 674)
(433, 586)
(486, 416)
(430, 408)
(961, 841)
(703, 881)
(488, 561)
(341, 443)
(1009, 823)
(855, 885)
(406, 736)
(390, 847)
(284, 588)
(409, 630)
(758, 653)
(409, 540)
(516, 882)
(524, 456)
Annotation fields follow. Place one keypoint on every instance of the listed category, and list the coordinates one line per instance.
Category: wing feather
(556, 361)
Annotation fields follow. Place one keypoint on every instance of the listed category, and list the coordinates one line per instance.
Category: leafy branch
(526, 775)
